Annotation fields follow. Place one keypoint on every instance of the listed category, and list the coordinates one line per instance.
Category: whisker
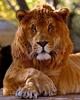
(53, 54)
(33, 54)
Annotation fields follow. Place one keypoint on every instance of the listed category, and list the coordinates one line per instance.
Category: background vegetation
(8, 7)
(7, 10)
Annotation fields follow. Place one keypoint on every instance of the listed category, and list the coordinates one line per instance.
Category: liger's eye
(33, 28)
(51, 27)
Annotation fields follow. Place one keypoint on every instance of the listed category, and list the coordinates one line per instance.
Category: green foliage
(76, 24)
(6, 11)
(32, 3)
(68, 3)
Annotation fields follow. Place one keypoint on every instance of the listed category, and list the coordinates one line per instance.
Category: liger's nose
(42, 43)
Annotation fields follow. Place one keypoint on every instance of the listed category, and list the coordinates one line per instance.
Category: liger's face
(44, 35)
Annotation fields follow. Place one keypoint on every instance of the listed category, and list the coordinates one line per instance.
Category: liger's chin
(43, 56)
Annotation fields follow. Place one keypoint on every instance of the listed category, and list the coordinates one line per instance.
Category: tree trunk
(55, 2)
(9, 3)
(50, 2)
(22, 4)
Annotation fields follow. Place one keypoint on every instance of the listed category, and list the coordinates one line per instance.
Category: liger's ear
(20, 14)
(64, 13)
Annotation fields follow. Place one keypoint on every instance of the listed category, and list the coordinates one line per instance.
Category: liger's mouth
(43, 55)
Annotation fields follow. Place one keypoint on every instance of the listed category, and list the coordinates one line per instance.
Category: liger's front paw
(33, 91)
(28, 91)
(36, 85)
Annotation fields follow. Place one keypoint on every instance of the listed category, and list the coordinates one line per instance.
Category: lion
(43, 59)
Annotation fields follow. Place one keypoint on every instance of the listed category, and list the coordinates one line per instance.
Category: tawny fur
(60, 73)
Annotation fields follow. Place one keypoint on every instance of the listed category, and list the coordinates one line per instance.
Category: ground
(66, 97)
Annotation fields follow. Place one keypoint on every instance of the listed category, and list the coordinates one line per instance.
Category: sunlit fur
(56, 64)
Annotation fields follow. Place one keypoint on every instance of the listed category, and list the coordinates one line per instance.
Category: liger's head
(45, 33)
